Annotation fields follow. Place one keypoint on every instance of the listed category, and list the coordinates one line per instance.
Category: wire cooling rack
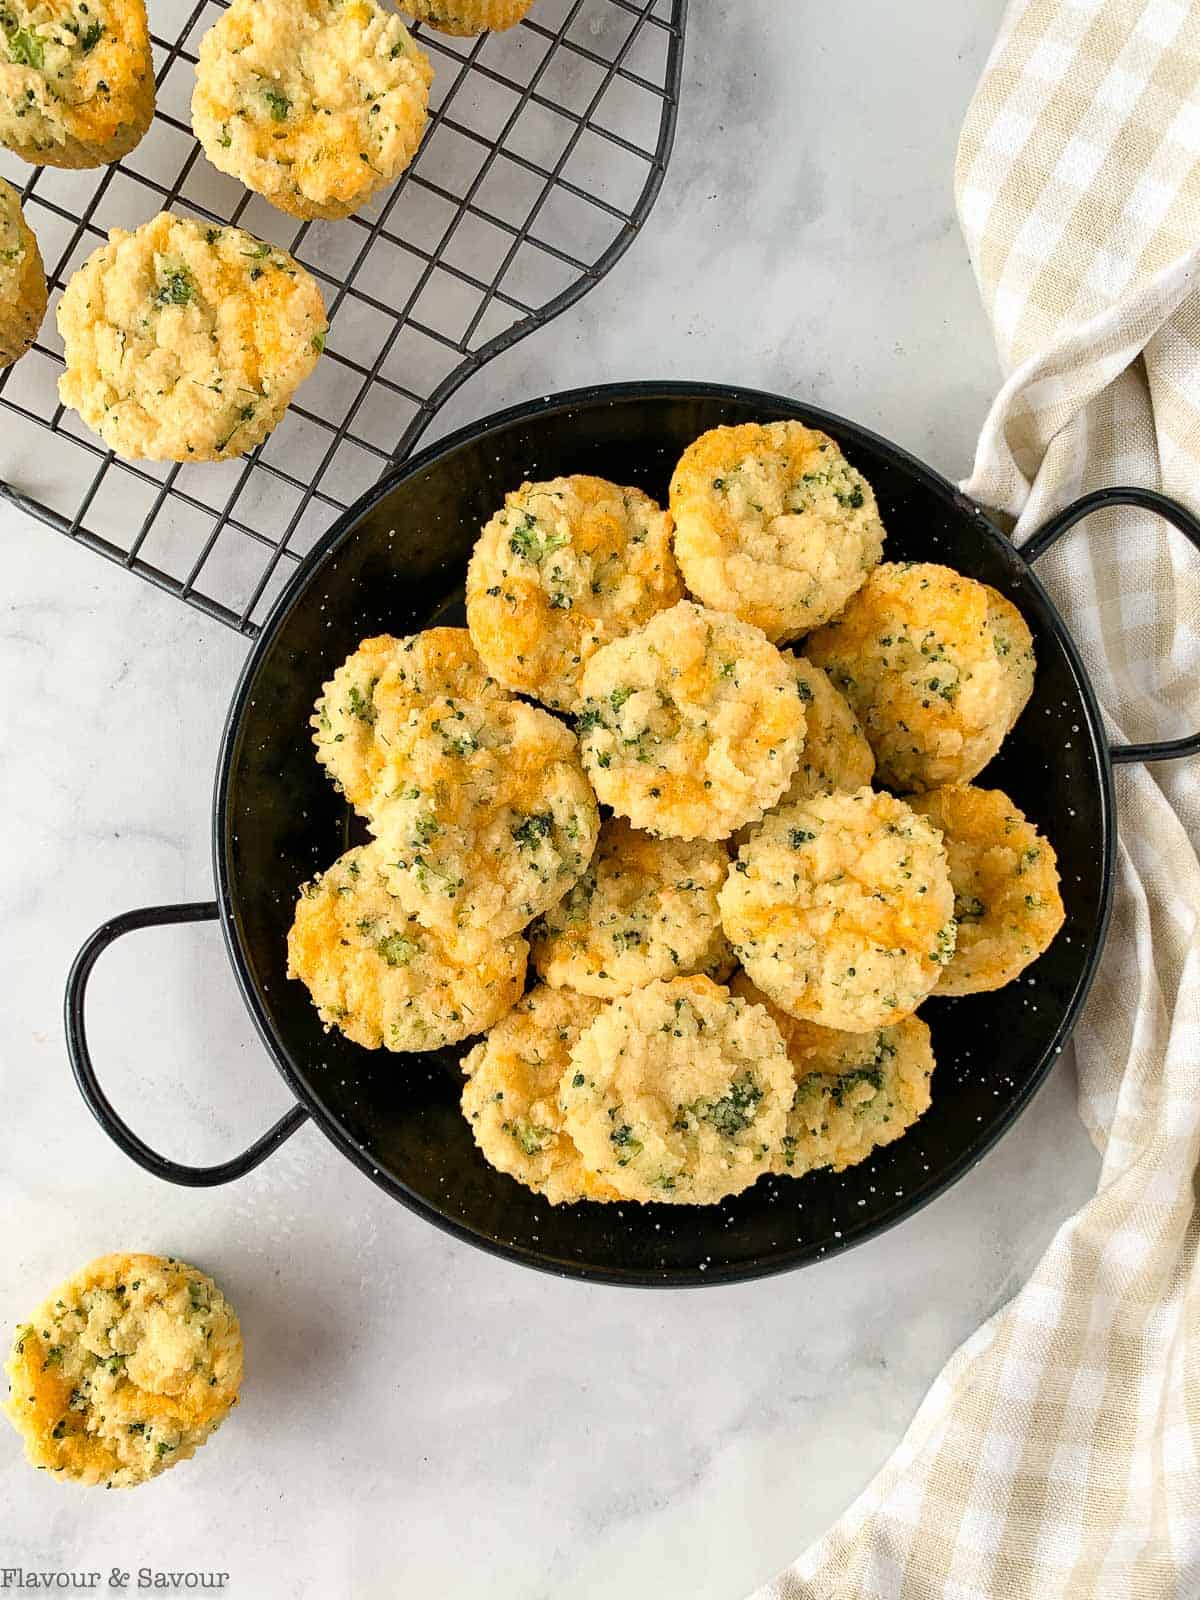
(545, 152)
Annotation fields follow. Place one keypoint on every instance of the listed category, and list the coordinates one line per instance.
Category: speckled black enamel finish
(395, 565)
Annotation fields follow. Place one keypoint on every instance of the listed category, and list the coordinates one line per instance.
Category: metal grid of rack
(545, 151)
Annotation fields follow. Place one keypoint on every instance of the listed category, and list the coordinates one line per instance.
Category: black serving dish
(395, 563)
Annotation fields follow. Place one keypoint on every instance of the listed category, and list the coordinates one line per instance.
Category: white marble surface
(419, 1418)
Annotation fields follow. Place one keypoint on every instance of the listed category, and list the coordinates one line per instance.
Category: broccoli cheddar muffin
(76, 80)
(855, 1092)
(691, 726)
(773, 524)
(645, 908)
(679, 1092)
(841, 910)
(1006, 897)
(937, 666)
(314, 104)
(22, 279)
(465, 17)
(185, 342)
(382, 979)
(565, 567)
(511, 1096)
(373, 693)
(836, 756)
(483, 813)
(124, 1371)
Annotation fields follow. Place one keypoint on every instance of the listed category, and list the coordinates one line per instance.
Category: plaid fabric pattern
(1058, 1454)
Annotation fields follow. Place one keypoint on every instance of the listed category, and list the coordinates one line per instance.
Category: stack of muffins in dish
(736, 869)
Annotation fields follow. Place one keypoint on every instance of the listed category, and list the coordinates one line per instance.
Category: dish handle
(1179, 517)
(98, 1103)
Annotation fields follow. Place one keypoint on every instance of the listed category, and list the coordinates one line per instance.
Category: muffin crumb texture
(76, 80)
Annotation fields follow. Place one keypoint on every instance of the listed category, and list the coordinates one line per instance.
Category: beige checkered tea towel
(1058, 1454)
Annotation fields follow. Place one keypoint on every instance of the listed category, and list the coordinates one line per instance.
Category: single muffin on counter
(22, 279)
(185, 342)
(464, 17)
(124, 1371)
(76, 80)
(313, 104)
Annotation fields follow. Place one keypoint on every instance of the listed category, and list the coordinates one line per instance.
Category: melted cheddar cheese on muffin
(646, 908)
(124, 1371)
(484, 814)
(841, 910)
(314, 104)
(773, 524)
(836, 757)
(855, 1092)
(1007, 904)
(510, 1098)
(937, 666)
(380, 977)
(370, 697)
(564, 568)
(76, 80)
(466, 17)
(186, 342)
(691, 726)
